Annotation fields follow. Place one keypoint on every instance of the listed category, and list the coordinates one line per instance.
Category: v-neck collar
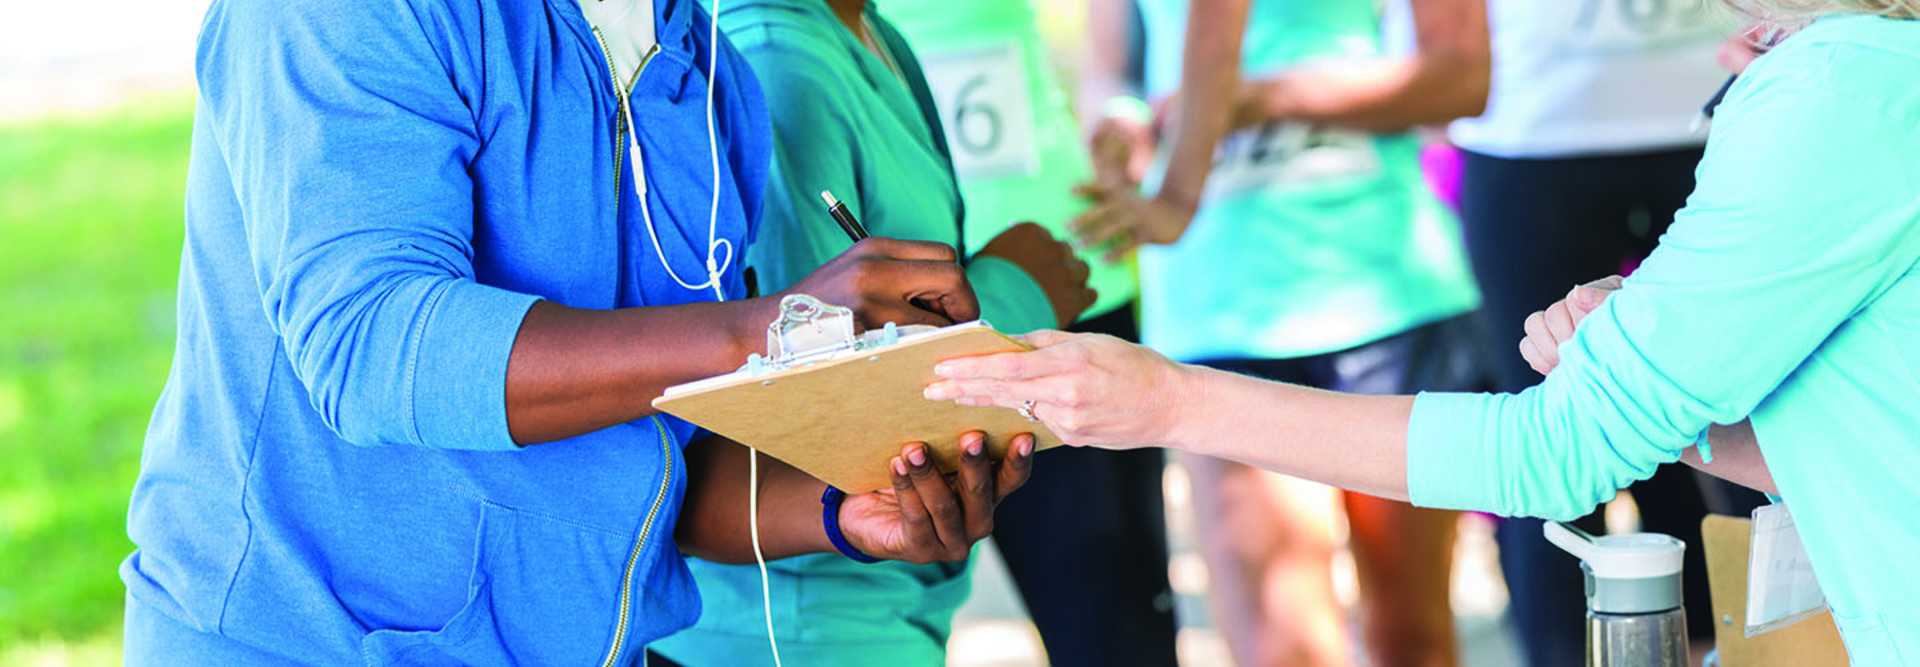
(870, 37)
(886, 78)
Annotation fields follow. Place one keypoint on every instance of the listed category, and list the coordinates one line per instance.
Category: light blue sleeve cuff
(1010, 299)
(459, 375)
(1446, 452)
(1706, 449)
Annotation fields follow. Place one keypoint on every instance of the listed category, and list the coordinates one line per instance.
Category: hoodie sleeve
(348, 133)
(1779, 247)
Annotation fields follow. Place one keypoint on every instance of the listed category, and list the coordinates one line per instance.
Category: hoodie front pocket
(544, 591)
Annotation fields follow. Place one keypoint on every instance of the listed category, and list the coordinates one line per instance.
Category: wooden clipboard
(1811, 642)
(843, 420)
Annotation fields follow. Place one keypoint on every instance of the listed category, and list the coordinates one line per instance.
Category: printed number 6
(965, 113)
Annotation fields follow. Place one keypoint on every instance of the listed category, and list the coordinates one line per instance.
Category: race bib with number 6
(982, 94)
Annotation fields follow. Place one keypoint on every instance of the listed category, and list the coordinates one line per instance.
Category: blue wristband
(830, 518)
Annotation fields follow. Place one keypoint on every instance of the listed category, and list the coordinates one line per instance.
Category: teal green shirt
(844, 121)
(1308, 240)
(1016, 145)
(1787, 291)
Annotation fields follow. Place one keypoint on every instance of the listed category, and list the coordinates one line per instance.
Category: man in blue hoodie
(415, 247)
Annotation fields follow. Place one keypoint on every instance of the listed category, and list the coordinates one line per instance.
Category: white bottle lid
(1634, 556)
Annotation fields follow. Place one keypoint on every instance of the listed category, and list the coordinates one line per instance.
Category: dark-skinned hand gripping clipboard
(839, 406)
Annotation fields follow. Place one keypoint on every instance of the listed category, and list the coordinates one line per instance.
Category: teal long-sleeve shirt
(845, 121)
(1786, 292)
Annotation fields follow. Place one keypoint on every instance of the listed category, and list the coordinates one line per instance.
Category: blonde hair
(1794, 12)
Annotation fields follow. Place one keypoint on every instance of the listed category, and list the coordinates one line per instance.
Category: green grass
(90, 233)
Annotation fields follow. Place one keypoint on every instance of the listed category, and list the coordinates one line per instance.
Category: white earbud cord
(760, 559)
(714, 269)
(713, 277)
(713, 157)
(714, 243)
(753, 455)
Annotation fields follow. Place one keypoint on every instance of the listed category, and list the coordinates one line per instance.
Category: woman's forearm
(1100, 391)
(1736, 457)
(1552, 451)
(1353, 442)
(1448, 77)
(1209, 82)
(1371, 95)
(1359, 442)
(1103, 60)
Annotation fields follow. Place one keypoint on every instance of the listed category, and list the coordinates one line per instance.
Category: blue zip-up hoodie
(378, 191)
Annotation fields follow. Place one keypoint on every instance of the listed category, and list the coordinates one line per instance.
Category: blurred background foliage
(90, 237)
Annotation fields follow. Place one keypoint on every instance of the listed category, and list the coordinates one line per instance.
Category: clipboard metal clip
(809, 330)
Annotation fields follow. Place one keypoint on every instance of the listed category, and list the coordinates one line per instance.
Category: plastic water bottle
(1634, 614)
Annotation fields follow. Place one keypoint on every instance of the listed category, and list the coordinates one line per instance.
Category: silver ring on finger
(1026, 410)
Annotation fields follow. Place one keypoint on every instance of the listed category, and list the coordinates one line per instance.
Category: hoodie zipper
(621, 125)
(620, 129)
(639, 544)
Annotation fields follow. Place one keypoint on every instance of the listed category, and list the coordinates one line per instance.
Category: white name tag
(1290, 155)
(983, 98)
(1781, 588)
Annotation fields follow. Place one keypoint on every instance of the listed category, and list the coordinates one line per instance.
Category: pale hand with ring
(1089, 384)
